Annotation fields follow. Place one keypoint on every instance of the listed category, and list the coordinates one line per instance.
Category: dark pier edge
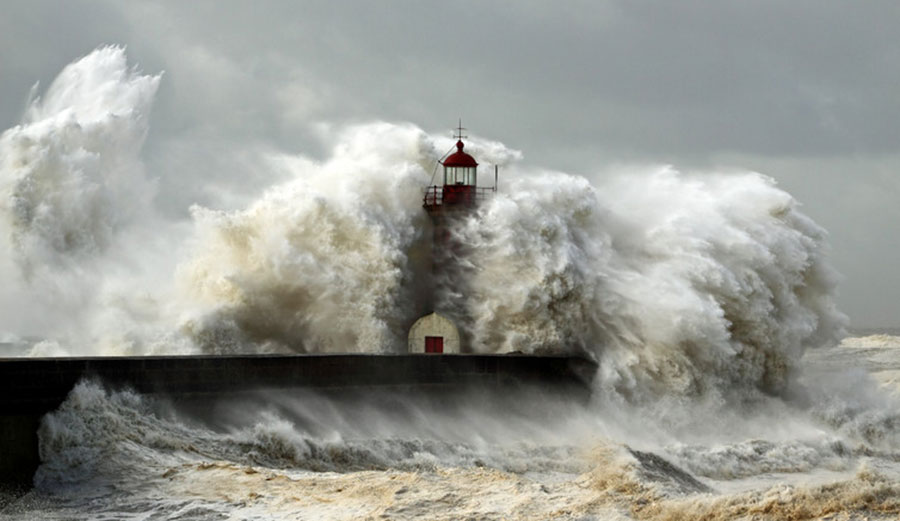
(31, 387)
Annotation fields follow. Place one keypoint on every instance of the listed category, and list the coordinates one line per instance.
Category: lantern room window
(459, 168)
(459, 175)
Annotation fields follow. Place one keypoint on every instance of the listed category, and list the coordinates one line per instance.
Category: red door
(434, 344)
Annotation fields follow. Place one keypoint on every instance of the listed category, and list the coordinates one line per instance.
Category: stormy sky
(807, 92)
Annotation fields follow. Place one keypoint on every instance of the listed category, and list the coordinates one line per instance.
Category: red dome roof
(460, 158)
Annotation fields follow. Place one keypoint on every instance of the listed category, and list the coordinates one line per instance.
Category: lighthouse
(447, 204)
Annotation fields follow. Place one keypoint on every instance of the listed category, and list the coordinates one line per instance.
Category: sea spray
(691, 284)
(677, 283)
(71, 176)
(75, 206)
(680, 284)
(327, 262)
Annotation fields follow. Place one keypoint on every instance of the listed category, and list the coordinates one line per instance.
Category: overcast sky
(807, 92)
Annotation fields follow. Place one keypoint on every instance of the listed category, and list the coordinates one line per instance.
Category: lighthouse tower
(447, 205)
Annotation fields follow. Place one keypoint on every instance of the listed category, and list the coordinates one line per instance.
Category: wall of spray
(683, 283)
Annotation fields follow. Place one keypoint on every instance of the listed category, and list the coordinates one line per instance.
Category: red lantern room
(460, 173)
(460, 188)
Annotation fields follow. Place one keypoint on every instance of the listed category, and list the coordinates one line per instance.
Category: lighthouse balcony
(455, 196)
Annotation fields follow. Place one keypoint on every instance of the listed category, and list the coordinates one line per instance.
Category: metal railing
(434, 196)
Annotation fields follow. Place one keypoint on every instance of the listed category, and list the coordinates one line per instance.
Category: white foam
(871, 341)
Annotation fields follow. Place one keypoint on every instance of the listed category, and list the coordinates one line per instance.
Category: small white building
(433, 334)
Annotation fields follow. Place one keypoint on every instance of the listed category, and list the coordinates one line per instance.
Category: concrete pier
(31, 387)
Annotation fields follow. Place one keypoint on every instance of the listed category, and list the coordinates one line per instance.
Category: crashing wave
(680, 284)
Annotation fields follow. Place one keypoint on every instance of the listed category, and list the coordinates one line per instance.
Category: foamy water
(701, 295)
(879, 340)
(302, 455)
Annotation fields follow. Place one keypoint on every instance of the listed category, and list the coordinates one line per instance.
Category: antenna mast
(458, 134)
